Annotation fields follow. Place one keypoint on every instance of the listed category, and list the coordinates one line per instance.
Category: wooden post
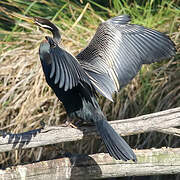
(150, 162)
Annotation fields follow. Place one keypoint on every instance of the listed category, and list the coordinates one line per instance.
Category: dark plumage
(112, 58)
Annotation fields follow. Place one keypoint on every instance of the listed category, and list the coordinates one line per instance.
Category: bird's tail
(115, 144)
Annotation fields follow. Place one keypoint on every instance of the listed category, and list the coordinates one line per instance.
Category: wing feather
(52, 68)
(66, 68)
(57, 65)
(119, 49)
(60, 67)
(68, 72)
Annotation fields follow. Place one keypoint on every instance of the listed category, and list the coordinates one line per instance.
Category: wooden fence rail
(163, 121)
(150, 162)
(97, 166)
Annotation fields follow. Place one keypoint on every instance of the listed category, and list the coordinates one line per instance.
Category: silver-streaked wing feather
(119, 49)
(66, 71)
(98, 77)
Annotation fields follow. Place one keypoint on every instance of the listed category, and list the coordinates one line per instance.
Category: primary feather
(119, 49)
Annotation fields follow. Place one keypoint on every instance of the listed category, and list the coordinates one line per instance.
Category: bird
(109, 62)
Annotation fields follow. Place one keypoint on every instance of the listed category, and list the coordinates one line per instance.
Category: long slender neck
(56, 34)
(46, 24)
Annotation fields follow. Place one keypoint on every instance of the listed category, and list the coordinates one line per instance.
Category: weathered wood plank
(150, 162)
(172, 131)
(52, 135)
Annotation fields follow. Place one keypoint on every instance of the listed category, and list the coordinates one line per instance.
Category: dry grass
(26, 100)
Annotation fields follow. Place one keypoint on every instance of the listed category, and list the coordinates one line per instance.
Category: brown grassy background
(26, 100)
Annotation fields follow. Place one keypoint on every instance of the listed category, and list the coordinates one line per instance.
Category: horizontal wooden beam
(171, 130)
(52, 135)
(150, 162)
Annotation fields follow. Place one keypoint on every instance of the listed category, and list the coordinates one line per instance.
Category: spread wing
(65, 70)
(118, 49)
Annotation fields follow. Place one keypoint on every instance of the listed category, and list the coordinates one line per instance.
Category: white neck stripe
(44, 26)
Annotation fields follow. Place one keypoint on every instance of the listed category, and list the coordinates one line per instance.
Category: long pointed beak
(25, 18)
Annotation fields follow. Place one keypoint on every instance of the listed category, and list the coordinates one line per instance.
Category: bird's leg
(69, 122)
(73, 122)
(79, 122)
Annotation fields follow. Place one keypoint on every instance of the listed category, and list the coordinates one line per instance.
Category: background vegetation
(25, 98)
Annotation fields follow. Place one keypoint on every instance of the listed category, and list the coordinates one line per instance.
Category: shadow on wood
(19, 140)
(83, 167)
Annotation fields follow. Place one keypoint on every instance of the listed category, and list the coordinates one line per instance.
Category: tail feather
(114, 150)
(108, 147)
(115, 144)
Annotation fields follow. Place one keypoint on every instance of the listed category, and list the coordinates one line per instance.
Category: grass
(25, 98)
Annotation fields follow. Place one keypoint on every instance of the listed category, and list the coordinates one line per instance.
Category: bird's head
(43, 23)
(46, 24)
